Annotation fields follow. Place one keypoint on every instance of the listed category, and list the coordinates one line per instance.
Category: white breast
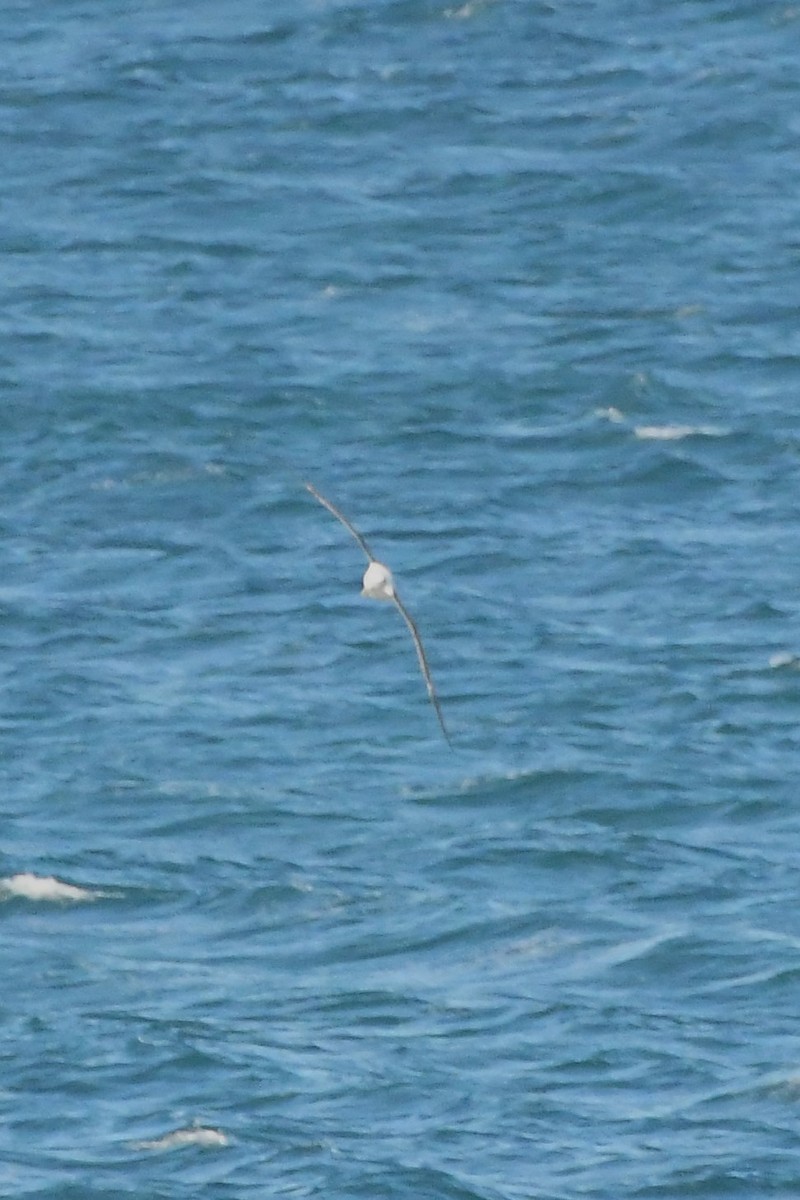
(378, 583)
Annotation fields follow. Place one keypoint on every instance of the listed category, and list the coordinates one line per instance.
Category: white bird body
(378, 584)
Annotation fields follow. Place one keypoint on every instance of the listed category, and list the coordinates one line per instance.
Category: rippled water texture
(514, 284)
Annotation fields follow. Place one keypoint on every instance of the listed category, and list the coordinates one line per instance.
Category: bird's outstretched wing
(401, 608)
(423, 663)
(341, 517)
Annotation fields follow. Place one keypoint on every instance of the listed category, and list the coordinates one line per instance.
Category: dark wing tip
(339, 515)
(424, 666)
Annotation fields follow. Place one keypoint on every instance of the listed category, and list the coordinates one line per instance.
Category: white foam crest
(610, 414)
(660, 433)
(674, 433)
(197, 1135)
(784, 658)
(43, 887)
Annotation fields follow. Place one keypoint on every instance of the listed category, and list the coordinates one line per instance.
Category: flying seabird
(378, 584)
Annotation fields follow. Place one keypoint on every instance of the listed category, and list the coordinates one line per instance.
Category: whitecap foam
(43, 887)
(784, 659)
(466, 10)
(610, 414)
(674, 433)
(197, 1135)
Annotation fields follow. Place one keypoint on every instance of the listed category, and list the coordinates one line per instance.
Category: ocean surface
(515, 284)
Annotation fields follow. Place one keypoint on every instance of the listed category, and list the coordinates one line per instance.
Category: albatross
(378, 584)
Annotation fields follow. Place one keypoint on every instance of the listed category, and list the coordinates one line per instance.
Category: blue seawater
(515, 284)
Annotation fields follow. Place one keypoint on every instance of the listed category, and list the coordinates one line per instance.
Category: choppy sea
(514, 283)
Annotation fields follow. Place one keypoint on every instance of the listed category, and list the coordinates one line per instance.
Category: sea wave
(45, 887)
